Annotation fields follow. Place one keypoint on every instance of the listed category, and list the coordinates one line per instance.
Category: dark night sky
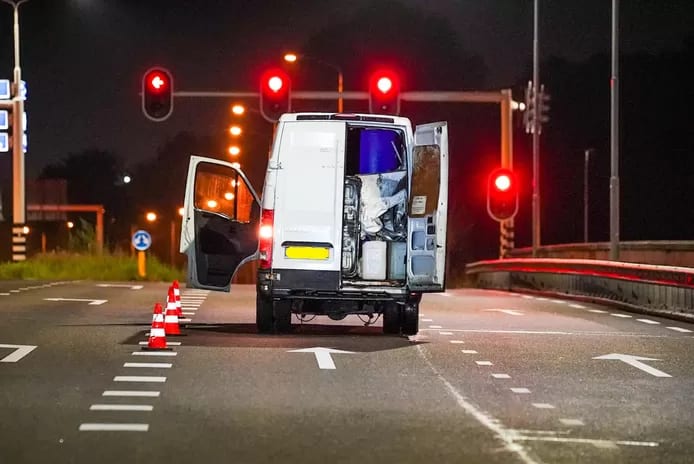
(83, 59)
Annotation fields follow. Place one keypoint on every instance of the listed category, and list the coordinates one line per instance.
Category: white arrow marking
(131, 287)
(510, 312)
(635, 361)
(325, 361)
(91, 302)
(19, 352)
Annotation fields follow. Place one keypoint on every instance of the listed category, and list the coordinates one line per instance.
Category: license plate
(299, 252)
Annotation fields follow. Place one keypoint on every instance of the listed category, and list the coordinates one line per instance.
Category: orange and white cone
(177, 294)
(157, 334)
(171, 318)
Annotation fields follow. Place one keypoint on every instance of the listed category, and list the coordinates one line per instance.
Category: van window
(373, 150)
(220, 189)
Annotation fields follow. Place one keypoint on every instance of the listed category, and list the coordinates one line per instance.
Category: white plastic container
(373, 260)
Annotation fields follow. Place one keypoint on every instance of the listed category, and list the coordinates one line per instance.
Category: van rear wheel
(410, 319)
(263, 314)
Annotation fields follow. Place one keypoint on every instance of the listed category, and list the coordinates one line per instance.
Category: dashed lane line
(679, 329)
(139, 378)
(572, 422)
(149, 365)
(155, 353)
(457, 342)
(624, 316)
(114, 427)
(597, 311)
(121, 407)
(469, 351)
(445, 333)
(132, 393)
(520, 390)
(543, 406)
(577, 306)
(435, 327)
(648, 321)
(484, 363)
(501, 376)
(167, 343)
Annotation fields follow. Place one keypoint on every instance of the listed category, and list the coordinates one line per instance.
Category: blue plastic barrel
(377, 151)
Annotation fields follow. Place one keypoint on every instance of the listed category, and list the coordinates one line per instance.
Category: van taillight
(265, 238)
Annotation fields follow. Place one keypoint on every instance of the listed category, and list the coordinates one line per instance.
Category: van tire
(282, 311)
(263, 314)
(391, 318)
(410, 319)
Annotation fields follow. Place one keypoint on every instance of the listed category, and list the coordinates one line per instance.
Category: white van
(352, 220)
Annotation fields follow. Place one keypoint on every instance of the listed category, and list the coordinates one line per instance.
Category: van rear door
(221, 215)
(428, 209)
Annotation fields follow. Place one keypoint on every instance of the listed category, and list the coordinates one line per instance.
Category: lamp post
(536, 133)
(587, 152)
(18, 182)
(293, 58)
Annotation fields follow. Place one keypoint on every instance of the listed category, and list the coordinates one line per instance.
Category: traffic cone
(177, 294)
(157, 334)
(171, 318)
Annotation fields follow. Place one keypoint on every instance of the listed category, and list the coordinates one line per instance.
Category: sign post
(141, 241)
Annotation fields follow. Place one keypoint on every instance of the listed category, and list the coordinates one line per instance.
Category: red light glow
(502, 182)
(275, 83)
(157, 81)
(384, 84)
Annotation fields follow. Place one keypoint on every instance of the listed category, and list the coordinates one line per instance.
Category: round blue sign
(141, 240)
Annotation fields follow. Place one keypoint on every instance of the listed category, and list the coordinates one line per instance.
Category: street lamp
(235, 130)
(18, 183)
(234, 150)
(293, 58)
(151, 216)
(238, 109)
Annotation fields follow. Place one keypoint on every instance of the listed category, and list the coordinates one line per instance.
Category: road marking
(14, 291)
(501, 376)
(577, 306)
(152, 365)
(435, 327)
(484, 363)
(556, 332)
(154, 353)
(679, 329)
(597, 311)
(543, 406)
(589, 441)
(184, 319)
(520, 390)
(541, 299)
(457, 342)
(136, 393)
(167, 343)
(625, 316)
(121, 407)
(188, 313)
(505, 435)
(527, 297)
(131, 287)
(139, 378)
(469, 351)
(648, 321)
(510, 312)
(572, 422)
(558, 301)
(427, 320)
(635, 361)
(4, 294)
(19, 352)
(323, 355)
(114, 427)
(81, 300)
(445, 333)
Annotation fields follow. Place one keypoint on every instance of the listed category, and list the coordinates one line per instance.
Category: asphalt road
(492, 377)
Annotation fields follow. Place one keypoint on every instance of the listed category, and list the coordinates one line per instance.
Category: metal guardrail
(653, 289)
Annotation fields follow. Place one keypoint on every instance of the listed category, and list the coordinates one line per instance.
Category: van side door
(428, 209)
(221, 216)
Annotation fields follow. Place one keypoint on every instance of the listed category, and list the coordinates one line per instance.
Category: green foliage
(82, 238)
(74, 266)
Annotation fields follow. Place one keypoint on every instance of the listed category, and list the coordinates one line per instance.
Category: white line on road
(167, 343)
(4, 294)
(19, 352)
(445, 333)
(520, 390)
(152, 365)
(79, 300)
(588, 441)
(154, 353)
(131, 287)
(469, 351)
(510, 312)
(139, 378)
(484, 363)
(558, 301)
(648, 321)
(572, 422)
(188, 313)
(135, 393)
(543, 406)
(457, 342)
(427, 320)
(635, 361)
(121, 407)
(597, 311)
(624, 316)
(114, 427)
(542, 299)
(501, 376)
(577, 306)
(679, 329)
(435, 327)
(556, 332)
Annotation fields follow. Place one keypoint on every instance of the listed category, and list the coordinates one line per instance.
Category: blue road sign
(141, 240)
(4, 142)
(4, 120)
(5, 89)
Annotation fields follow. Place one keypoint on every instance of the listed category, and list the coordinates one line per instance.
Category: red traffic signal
(157, 94)
(502, 194)
(384, 92)
(275, 94)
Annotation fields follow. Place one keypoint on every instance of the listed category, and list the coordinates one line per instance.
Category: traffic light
(384, 93)
(157, 94)
(275, 94)
(502, 194)
(531, 112)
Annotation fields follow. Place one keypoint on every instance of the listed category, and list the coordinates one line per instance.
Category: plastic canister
(373, 260)
(376, 151)
(397, 254)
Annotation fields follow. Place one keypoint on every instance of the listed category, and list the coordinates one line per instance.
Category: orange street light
(238, 109)
(70, 224)
(290, 57)
(235, 130)
(180, 211)
(151, 216)
(234, 150)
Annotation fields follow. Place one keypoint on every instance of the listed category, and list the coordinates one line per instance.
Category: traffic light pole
(536, 131)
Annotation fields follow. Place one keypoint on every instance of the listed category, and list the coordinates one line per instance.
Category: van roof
(381, 118)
